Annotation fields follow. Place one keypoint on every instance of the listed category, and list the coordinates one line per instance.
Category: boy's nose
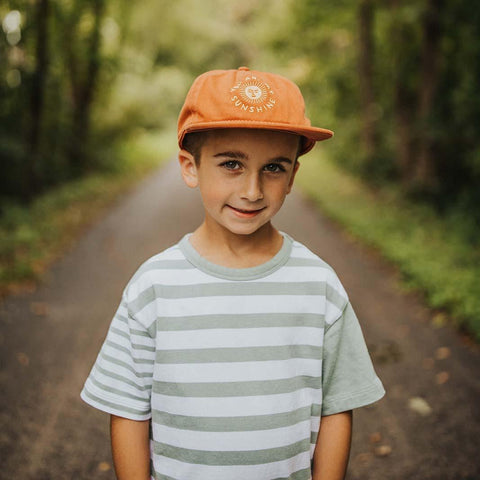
(252, 188)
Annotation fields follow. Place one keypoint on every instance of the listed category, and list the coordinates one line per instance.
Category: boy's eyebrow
(240, 155)
(281, 159)
(232, 154)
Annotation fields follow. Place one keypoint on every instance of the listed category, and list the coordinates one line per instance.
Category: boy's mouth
(244, 212)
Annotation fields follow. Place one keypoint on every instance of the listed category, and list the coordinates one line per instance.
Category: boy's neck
(227, 249)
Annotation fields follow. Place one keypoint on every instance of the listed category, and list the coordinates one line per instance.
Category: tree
(426, 175)
(366, 76)
(83, 59)
(37, 97)
(404, 95)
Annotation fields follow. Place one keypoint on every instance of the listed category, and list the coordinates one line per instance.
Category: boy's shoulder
(157, 268)
(302, 256)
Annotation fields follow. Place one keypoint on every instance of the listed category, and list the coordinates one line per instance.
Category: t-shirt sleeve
(120, 382)
(349, 380)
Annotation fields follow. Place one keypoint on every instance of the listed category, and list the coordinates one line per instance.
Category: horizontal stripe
(336, 298)
(226, 289)
(229, 304)
(99, 379)
(301, 273)
(239, 338)
(254, 457)
(305, 474)
(134, 357)
(290, 469)
(131, 332)
(236, 389)
(143, 367)
(165, 263)
(233, 441)
(238, 371)
(132, 341)
(233, 406)
(140, 333)
(233, 320)
(135, 346)
(306, 262)
(119, 332)
(240, 354)
(236, 424)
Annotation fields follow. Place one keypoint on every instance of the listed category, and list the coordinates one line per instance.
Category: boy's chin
(247, 230)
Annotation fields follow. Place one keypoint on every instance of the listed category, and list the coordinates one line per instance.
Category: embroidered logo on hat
(253, 95)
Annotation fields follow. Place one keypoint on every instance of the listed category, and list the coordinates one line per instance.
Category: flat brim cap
(246, 98)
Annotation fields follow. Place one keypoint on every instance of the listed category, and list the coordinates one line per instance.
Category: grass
(32, 238)
(435, 256)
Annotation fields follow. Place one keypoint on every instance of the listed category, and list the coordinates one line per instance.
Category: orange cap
(246, 98)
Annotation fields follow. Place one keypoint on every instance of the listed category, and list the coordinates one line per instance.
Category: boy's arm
(332, 450)
(130, 448)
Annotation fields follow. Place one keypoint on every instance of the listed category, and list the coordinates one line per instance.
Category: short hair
(194, 141)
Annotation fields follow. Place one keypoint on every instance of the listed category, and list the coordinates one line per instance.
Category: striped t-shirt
(234, 367)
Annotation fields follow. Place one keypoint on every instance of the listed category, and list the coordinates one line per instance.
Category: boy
(235, 354)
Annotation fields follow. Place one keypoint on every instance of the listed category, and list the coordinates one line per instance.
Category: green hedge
(438, 256)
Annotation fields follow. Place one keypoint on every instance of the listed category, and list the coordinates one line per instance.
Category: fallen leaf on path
(104, 467)
(23, 359)
(375, 437)
(442, 378)
(39, 308)
(420, 406)
(364, 459)
(428, 363)
(386, 353)
(442, 353)
(383, 450)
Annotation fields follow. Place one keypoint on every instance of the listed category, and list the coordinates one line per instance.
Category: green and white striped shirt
(234, 367)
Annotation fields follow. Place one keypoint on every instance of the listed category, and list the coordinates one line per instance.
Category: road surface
(427, 427)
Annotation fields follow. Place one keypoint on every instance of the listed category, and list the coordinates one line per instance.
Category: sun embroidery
(253, 92)
(253, 96)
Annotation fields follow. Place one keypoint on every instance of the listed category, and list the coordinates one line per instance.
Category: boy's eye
(274, 168)
(231, 165)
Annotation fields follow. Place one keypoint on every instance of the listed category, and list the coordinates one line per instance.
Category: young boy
(235, 354)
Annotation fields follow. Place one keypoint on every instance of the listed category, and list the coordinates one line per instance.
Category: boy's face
(243, 176)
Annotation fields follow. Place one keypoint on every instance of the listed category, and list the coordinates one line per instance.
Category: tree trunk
(37, 99)
(403, 109)
(425, 172)
(83, 89)
(367, 95)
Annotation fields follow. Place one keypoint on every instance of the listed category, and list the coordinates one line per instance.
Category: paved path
(49, 340)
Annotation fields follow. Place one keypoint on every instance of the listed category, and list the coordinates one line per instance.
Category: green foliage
(436, 256)
(32, 237)
(324, 39)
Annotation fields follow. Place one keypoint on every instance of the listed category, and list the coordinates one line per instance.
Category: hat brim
(311, 134)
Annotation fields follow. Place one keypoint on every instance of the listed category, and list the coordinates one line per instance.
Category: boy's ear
(188, 168)
(292, 178)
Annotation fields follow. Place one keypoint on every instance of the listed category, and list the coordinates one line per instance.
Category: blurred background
(90, 91)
